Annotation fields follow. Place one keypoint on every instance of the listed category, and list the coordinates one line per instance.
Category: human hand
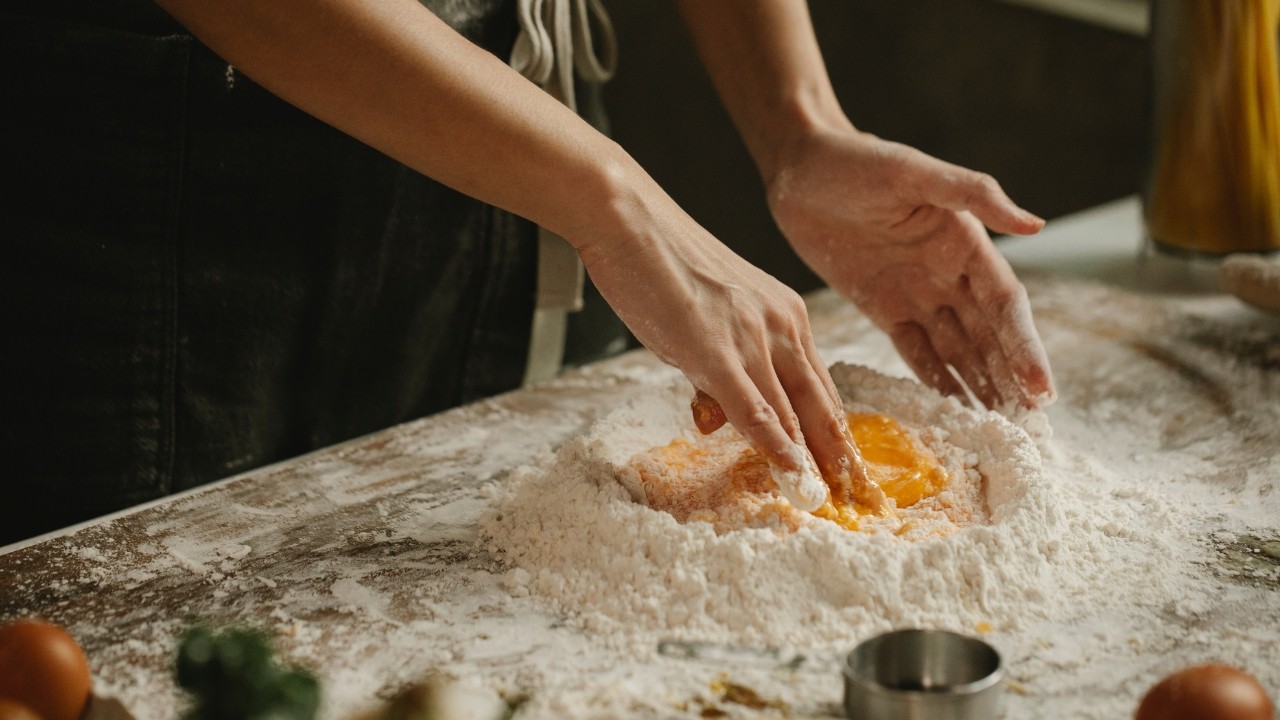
(740, 337)
(901, 235)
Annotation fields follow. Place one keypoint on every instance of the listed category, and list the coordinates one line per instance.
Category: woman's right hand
(739, 335)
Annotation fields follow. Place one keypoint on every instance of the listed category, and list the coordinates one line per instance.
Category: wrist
(611, 205)
(795, 120)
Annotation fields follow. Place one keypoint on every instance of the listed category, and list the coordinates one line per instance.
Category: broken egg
(720, 479)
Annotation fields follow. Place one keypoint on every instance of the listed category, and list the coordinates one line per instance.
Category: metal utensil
(922, 675)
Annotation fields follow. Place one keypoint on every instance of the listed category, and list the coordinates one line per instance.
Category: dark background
(1053, 107)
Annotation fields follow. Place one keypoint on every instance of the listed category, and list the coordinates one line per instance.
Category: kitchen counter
(365, 561)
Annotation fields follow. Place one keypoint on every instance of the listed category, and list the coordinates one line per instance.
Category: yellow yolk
(905, 470)
(720, 475)
(901, 466)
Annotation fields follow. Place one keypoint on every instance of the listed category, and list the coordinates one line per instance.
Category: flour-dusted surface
(368, 563)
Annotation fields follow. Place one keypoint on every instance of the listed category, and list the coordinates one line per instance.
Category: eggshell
(1206, 692)
(11, 710)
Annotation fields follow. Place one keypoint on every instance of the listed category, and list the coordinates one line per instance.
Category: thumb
(956, 188)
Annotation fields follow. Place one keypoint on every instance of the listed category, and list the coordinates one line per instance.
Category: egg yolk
(904, 469)
(716, 478)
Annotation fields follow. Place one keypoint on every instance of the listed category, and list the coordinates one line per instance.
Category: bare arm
(898, 232)
(393, 75)
(766, 66)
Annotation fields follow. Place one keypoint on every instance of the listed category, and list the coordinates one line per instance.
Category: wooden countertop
(298, 545)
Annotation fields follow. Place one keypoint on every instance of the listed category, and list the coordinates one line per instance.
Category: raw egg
(720, 479)
(1206, 692)
(42, 667)
(904, 469)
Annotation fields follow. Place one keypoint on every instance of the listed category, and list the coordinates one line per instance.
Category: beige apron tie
(555, 39)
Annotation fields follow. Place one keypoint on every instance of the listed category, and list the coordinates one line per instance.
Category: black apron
(200, 279)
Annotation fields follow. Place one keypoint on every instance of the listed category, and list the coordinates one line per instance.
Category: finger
(978, 327)
(958, 350)
(805, 489)
(761, 412)
(917, 350)
(1016, 358)
(812, 395)
(708, 416)
(1003, 302)
(1031, 362)
(820, 367)
(844, 470)
(956, 188)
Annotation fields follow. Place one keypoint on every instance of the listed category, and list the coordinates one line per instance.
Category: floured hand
(902, 235)
(738, 334)
(846, 482)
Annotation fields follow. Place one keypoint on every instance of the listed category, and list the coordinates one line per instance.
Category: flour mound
(575, 534)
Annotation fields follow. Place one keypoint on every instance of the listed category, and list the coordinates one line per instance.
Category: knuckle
(791, 424)
(1005, 298)
(793, 339)
(941, 313)
(980, 186)
(906, 331)
(788, 315)
(986, 184)
(760, 415)
(794, 304)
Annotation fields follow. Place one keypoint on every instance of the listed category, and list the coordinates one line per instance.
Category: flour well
(580, 534)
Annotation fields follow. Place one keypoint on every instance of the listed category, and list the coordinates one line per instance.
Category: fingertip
(1000, 213)
(800, 484)
(1030, 223)
(1012, 220)
(1038, 387)
(1047, 396)
(1043, 400)
(848, 462)
(793, 468)
(772, 442)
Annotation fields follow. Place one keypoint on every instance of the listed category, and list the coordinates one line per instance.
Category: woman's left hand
(901, 234)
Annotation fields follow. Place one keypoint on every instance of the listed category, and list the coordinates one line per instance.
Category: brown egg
(10, 710)
(1206, 692)
(42, 667)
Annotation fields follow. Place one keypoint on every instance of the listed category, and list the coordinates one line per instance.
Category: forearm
(391, 74)
(764, 61)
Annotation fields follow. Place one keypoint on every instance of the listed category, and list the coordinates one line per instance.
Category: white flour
(578, 537)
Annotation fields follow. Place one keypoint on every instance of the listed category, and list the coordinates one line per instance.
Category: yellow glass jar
(1214, 186)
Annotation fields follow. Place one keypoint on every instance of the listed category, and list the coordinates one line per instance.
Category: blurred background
(1049, 96)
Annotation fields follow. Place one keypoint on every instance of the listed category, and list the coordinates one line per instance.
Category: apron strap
(555, 39)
